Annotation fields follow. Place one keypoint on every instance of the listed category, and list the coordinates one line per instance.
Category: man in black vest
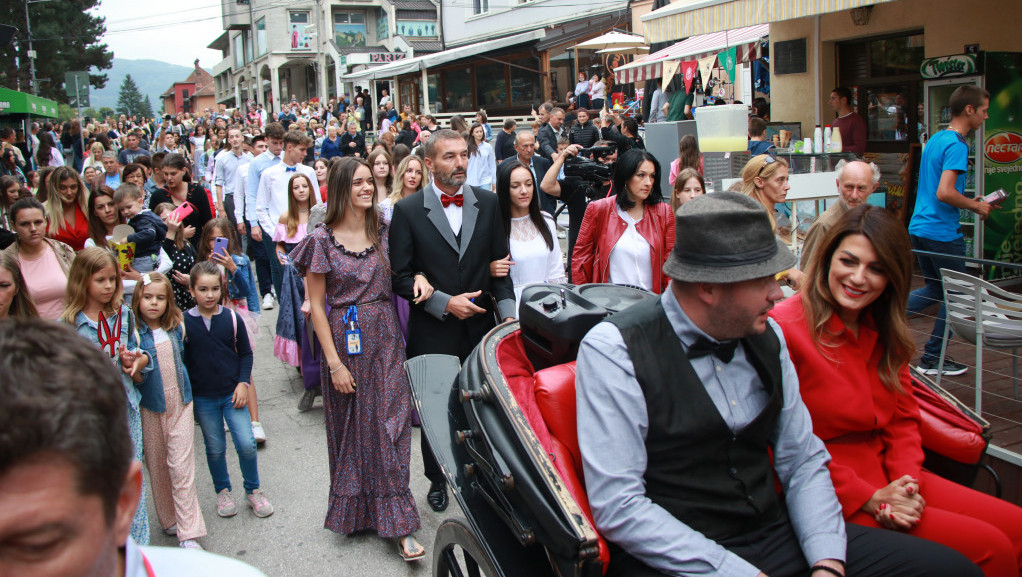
(688, 411)
(449, 232)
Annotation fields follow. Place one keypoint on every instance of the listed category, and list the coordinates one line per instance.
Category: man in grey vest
(698, 452)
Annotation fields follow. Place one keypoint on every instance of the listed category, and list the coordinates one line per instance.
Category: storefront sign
(381, 57)
(1004, 148)
(949, 66)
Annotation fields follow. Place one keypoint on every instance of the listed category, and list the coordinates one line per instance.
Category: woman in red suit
(626, 237)
(847, 335)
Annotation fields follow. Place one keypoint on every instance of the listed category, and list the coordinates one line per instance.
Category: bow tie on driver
(449, 199)
(724, 351)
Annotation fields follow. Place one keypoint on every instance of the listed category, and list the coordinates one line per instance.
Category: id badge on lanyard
(352, 334)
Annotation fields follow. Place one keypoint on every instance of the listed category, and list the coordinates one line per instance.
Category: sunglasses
(766, 162)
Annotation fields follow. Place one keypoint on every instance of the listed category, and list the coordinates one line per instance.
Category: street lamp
(31, 50)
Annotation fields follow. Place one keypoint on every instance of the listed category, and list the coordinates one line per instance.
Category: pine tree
(129, 99)
(147, 107)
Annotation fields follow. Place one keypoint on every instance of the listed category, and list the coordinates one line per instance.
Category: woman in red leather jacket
(848, 338)
(626, 237)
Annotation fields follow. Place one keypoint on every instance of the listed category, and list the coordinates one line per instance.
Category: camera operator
(573, 190)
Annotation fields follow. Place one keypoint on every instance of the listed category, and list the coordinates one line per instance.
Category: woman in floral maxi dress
(366, 396)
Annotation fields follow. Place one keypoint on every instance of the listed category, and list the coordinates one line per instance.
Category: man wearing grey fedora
(698, 452)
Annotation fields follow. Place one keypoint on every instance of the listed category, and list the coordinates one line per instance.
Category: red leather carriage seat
(555, 397)
(547, 399)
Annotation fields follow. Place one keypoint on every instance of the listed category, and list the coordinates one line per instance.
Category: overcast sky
(176, 31)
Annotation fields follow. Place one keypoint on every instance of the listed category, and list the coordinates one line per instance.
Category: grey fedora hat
(725, 237)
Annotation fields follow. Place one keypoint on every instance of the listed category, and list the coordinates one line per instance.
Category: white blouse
(534, 262)
(629, 259)
(482, 167)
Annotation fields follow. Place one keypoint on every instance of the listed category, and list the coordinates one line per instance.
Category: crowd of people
(421, 244)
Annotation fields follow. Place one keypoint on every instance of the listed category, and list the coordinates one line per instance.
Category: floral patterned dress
(368, 433)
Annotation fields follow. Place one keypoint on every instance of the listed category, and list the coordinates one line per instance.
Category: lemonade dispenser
(723, 128)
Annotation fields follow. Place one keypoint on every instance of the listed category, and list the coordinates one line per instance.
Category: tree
(65, 35)
(129, 99)
(105, 112)
(147, 107)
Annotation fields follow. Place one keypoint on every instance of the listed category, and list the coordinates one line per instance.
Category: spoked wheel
(457, 552)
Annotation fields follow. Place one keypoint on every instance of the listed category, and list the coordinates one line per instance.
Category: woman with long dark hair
(535, 255)
(626, 237)
(44, 262)
(848, 337)
(688, 157)
(48, 154)
(369, 433)
(179, 189)
(482, 164)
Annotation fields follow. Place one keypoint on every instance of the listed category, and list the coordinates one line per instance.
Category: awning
(14, 102)
(430, 60)
(695, 48)
(692, 17)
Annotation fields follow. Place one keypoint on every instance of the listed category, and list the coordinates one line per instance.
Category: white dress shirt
(271, 201)
(629, 259)
(453, 213)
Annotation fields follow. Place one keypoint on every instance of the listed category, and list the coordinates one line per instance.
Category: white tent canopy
(612, 39)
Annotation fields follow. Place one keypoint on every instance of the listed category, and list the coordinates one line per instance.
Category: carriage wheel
(454, 537)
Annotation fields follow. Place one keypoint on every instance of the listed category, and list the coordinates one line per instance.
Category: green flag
(727, 60)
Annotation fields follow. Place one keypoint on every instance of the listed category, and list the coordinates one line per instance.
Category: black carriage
(503, 428)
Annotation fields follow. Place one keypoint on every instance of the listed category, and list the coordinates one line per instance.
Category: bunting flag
(689, 70)
(727, 59)
(670, 69)
(706, 67)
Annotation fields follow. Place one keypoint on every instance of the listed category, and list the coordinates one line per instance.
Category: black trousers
(774, 549)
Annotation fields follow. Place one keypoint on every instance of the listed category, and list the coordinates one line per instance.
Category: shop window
(416, 28)
(239, 51)
(382, 24)
(883, 74)
(298, 31)
(525, 85)
(457, 89)
(260, 36)
(491, 86)
(349, 29)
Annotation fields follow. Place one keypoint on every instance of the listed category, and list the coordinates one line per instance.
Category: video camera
(588, 168)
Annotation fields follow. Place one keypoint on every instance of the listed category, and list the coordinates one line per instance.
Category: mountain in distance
(153, 77)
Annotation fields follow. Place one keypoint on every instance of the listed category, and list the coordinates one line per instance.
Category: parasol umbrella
(612, 39)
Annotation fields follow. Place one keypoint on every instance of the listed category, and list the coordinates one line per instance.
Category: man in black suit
(525, 146)
(353, 142)
(450, 232)
(550, 133)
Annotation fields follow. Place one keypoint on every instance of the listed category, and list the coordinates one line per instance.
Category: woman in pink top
(44, 262)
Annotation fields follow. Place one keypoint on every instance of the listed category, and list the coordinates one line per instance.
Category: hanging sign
(706, 67)
(727, 59)
(689, 70)
(670, 69)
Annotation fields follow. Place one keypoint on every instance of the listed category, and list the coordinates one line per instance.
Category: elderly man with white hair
(856, 180)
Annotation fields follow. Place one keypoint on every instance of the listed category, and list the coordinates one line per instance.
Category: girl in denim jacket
(168, 425)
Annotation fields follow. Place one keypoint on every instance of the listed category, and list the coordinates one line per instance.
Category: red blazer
(872, 433)
(602, 228)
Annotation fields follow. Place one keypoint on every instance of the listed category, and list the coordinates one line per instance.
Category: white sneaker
(189, 544)
(172, 530)
(268, 301)
(258, 432)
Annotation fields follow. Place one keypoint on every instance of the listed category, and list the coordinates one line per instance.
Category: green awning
(14, 102)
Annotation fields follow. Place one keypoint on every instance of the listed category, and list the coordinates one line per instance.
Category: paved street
(293, 471)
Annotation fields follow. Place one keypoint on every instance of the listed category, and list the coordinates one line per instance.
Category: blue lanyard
(351, 315)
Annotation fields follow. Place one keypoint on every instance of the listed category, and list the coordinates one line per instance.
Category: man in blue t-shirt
(935, 225)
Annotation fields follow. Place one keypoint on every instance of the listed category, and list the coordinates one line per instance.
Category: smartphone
(220, 246)
(995, 197)
(181, 212)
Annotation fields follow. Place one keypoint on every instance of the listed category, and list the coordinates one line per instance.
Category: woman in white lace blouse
(532, 235)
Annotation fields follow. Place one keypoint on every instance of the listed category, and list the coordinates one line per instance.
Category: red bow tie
(447, 200)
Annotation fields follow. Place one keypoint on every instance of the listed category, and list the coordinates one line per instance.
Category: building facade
(193, 94)
(274, 53)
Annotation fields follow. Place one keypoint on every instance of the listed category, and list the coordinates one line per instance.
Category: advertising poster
(299, 37)
(1002, 152)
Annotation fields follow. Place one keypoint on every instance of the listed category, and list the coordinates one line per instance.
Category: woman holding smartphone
(179, 190)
